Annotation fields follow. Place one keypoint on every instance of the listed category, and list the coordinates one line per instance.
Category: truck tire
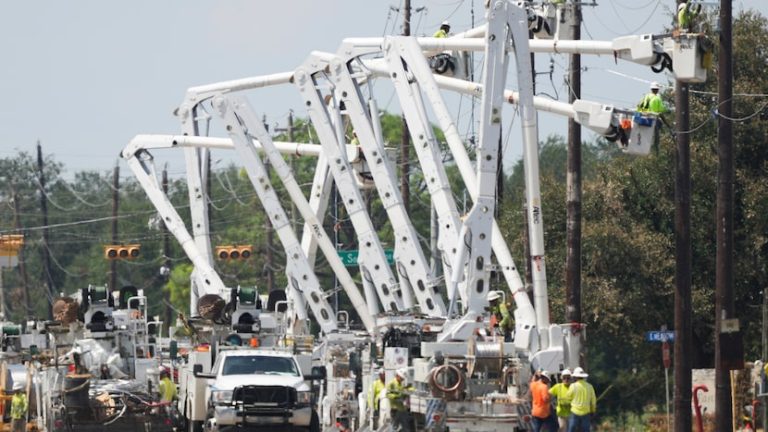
(314, 423)
(194, 426)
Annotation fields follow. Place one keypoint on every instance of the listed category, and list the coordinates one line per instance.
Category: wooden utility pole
(724, 303)
(573, 184)
(51, 294)
(683, 310)
(405, 142)
(22, 264)
(168, 318)
(115, 211)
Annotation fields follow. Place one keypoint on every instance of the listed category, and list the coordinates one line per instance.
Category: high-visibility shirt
(396, 393)
(686, 15)
(560, 391)
(19, 406)
(506, 322)
(652, 103)
(582, 397)
(167, 390)
(373, 395)
(440, 34)
(539, 399)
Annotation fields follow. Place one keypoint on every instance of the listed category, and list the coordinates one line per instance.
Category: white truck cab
(255, 388)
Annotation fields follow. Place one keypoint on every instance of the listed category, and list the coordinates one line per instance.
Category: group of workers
(575, 399)
(396, 394)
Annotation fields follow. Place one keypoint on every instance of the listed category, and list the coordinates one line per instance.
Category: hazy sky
(84, 77)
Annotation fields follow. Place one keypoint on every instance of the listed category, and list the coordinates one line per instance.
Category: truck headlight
(304, 397)
(221, 397)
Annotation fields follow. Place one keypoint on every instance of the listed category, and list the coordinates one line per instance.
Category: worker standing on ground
(563, 404)
(500, 316)
(445, 28)
(397, 393)
(583, 402)
(652, 102)
(374, 394)
(18, 409)
(686, 15)
(167, 387)
(543, 418)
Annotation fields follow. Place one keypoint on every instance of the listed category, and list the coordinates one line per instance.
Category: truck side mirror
(318, 373)
(197, 371)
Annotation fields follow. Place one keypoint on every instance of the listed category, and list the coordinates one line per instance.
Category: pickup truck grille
(266, 396)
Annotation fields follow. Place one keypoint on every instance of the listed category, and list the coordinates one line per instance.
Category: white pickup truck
(255, 389)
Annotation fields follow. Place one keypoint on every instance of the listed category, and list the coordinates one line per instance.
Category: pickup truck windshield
(264, 365)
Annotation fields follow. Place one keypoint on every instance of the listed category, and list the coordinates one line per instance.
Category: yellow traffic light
(130, 251)
(234, 252)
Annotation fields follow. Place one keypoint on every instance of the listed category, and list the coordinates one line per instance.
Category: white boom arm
(410, 261)
(372, 260)
(300, 275)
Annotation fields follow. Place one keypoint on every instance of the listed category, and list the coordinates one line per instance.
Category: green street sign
(350, 257)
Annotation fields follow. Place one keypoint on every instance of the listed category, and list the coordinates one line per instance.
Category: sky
(86, 76)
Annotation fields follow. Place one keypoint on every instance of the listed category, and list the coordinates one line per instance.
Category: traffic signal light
(112, 252)
(234, 252)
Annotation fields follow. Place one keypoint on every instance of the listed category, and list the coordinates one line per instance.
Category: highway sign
(660, 336)
(349, 257)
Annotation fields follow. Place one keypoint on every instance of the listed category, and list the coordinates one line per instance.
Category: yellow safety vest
(396, 395)
(560, 391)
(19, 406)
(373, 396)
(167, 390)
(582, 397)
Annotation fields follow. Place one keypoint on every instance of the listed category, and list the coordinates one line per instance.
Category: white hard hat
(493, 295)
(655, 86)
(579, 373)
(380, 371)
(402, 373)
(681, 6)
(544, 374)
(566, 372)
(445, 23)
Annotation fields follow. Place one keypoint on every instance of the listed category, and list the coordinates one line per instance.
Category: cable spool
(210, 306)
(446, 391)
(65, 310)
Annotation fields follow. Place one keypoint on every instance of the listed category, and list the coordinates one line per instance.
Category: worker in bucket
(583, 402)
(18, 409)
(445, 28)
(375, 394)
(652, 102)
(562, 404)
(397, 393)
(686, 15)
(500, 316)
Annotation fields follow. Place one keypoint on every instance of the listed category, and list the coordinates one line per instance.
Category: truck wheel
(194, 426)
(314, 423)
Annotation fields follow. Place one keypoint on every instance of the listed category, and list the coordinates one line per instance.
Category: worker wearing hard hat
(583, 402)
(686, 13)
(652, 102)
(375, 393)
(167, 387)
(563, 404)
(397, 393)
(445, 28)
(18, 409)
(500, 316)
(541, 412)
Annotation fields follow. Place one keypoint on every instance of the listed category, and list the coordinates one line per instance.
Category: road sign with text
(660, 336)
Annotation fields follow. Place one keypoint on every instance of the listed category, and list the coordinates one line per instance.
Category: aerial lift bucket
(691, 56)
(642, 135)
